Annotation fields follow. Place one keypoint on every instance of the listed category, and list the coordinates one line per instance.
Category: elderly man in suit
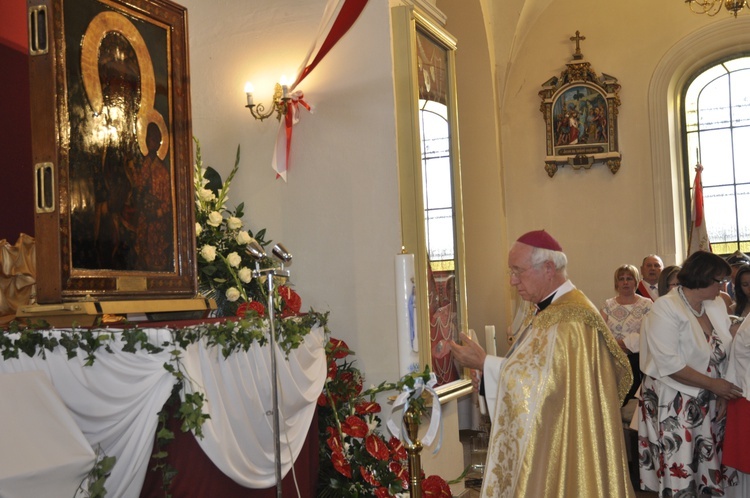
(650, 270)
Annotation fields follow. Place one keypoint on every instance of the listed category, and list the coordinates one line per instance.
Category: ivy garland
(33, 339)
(92, 486)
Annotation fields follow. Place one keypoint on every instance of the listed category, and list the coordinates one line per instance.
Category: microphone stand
(270, 273)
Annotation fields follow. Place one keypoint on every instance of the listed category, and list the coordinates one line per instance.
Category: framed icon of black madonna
(112, 149)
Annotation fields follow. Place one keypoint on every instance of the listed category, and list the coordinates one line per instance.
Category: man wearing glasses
(554, 400)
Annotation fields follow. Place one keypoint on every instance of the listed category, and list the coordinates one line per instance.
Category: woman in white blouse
(623, 314)
(685, 339)
(737, 439)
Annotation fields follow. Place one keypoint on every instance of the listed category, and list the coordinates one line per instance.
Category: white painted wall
(339, 212)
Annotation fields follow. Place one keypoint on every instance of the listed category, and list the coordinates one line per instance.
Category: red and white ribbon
(338, 17)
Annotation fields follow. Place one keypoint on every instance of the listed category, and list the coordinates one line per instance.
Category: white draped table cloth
(115, 403)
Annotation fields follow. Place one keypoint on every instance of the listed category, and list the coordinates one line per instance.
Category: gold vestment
(557, 429)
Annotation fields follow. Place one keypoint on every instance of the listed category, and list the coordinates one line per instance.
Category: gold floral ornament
(17, 275)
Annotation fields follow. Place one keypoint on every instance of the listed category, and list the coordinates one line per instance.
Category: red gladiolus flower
(340, 464)
(338, 348)
(367, 407)
(376, 447)
(368, 477)
(354, 426)
(322, 400)
(436, 487)
(400, 472)
(398, 452)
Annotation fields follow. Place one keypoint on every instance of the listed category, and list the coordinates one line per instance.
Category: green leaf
(165, 434)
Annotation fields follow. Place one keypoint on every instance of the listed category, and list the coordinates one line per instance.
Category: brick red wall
(16, 170)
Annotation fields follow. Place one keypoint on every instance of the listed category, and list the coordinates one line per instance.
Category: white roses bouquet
(224, 267)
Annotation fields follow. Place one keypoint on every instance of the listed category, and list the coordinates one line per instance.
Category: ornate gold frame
(579, 91)
(407, 22)
(66, 61)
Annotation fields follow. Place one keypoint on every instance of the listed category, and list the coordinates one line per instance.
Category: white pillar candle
(249, 93)
(489, 340)
(406, 315)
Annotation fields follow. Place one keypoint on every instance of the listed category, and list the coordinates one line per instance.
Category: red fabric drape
(349, 13)
(198, 477)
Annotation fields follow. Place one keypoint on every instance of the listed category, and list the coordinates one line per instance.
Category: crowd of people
(555, 399)
(681, 327)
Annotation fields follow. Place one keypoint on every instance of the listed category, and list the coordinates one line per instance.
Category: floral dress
(680, 455)
(624, 320)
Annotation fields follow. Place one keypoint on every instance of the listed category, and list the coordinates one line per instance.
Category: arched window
(716, 117)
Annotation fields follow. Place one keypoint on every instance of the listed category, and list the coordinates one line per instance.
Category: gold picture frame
(580, 115)
(430, 189)
(112, 149)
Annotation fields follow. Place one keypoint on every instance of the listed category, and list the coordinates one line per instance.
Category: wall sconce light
(279, 104)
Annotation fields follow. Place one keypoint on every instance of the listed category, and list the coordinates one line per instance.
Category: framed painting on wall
(112, 147)
(580, 114)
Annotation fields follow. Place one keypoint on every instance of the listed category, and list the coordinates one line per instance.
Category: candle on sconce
(249, 93)
(489, 340)
(284, 87)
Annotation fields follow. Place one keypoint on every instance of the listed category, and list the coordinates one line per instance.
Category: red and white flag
(698, 238)
(338, 17)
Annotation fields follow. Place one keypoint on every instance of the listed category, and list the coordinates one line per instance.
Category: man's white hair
(540, 255)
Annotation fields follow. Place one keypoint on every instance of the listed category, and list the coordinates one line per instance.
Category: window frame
(689, 158)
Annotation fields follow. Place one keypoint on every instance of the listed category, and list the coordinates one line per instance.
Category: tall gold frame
(407, 22)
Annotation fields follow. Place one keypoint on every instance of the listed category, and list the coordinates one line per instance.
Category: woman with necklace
(623, 314)
(685, 339)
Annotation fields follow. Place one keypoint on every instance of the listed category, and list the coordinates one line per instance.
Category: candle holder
(413, 450)
(278, 105)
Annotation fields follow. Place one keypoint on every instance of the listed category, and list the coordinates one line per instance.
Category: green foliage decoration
(230, 336)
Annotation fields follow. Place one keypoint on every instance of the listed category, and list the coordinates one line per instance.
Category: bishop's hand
(469, 354)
